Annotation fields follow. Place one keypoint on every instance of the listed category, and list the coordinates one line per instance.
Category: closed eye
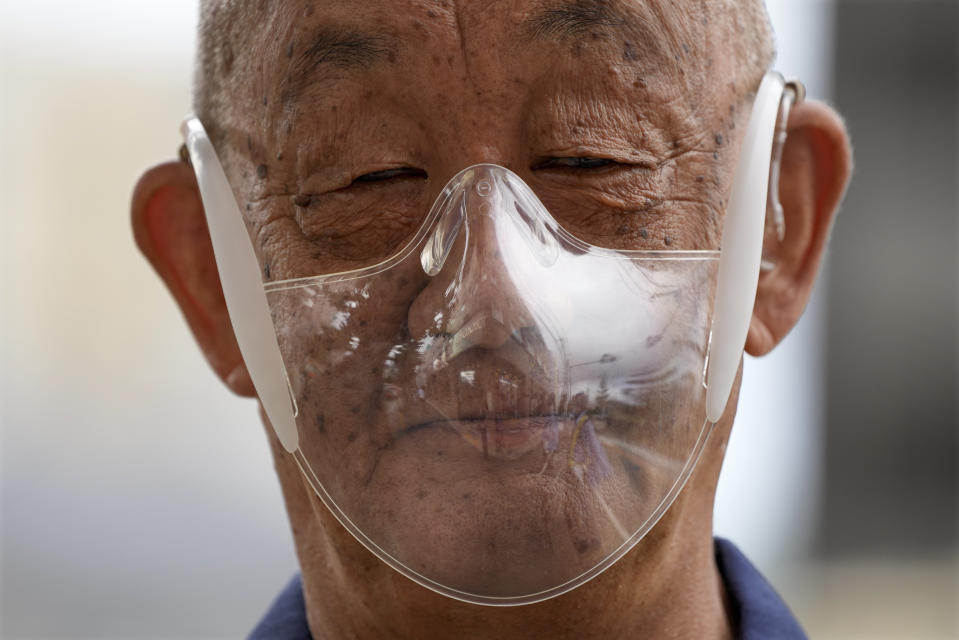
(574, 163)
(390, 174)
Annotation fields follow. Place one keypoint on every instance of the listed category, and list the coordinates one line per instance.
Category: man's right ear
(170, 228)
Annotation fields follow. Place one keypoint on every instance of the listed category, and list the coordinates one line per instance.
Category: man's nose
(472, 299)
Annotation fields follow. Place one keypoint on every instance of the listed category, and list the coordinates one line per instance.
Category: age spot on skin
(583, 545)
(719, 139)
(227, 60)
(302, 200)
(261, 172)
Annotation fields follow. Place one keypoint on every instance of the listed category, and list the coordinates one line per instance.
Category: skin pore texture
(306, 100)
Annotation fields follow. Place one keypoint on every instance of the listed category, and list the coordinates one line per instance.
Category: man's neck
(659, 590)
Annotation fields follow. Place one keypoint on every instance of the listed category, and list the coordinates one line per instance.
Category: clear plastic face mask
(499, 410)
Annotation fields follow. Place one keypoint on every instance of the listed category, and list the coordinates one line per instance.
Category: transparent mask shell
(499, 411)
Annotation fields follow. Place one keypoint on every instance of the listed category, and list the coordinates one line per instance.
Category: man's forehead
(275, 52)
(651, 24)
(352, 33)
(334, 40)
(546, 17)
(531, 18)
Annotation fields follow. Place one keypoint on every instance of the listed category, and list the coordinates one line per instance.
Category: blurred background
(137, 496)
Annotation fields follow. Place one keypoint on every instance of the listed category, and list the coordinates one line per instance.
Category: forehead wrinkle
(335, 49)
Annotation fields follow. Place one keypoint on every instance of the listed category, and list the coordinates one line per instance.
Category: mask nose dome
(485, 217)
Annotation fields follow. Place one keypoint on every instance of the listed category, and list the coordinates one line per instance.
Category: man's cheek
(340, 358)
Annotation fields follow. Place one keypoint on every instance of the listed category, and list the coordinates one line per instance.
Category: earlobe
(815, 170)
(170, 229)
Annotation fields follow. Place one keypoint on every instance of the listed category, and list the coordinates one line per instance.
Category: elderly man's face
(342, 110)
(338, 124)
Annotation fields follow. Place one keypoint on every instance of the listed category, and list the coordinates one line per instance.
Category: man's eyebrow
(335, 49)
(573, 19)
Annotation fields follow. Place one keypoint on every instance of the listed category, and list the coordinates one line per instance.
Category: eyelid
(634, 160)
(575, 162)
(307, 196)
(382, 175)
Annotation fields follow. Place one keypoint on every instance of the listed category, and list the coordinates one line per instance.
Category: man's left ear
(816, 162)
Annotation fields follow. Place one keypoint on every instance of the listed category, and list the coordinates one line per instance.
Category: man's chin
(486, 526)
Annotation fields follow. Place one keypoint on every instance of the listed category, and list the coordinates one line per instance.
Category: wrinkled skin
(657, 92)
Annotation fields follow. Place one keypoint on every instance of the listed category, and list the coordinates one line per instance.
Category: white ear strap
(242, 285)
(742, 248)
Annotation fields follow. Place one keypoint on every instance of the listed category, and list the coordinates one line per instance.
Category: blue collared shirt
(760, 614)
